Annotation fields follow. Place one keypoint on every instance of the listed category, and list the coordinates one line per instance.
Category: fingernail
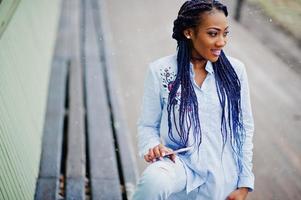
(161, 158)
(154, 160)
(163, 154)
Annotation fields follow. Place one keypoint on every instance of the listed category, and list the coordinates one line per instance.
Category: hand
(158, 152)
(239, 194)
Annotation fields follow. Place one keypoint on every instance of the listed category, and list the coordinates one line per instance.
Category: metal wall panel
(26, 48)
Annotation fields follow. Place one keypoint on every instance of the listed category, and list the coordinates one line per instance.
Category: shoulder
(237, 64)
(164, 71)
(164, 63)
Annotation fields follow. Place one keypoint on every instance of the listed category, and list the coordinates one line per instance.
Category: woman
(198, 98)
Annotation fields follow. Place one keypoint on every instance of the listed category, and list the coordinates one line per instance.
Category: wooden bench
(84, 155)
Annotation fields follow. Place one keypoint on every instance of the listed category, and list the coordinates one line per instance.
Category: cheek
(226, 40)
(205, 40)
(205, 45)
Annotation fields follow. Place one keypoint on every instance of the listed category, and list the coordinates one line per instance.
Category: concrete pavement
(140, 31)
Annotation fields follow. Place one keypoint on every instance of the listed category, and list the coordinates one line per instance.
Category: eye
(226, 33)
(212, 34)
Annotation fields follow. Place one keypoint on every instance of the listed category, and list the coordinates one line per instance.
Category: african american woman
(197, 99)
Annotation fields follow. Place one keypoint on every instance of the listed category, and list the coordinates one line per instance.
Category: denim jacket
(204, 166)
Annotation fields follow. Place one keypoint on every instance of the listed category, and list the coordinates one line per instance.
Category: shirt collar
(208, 67)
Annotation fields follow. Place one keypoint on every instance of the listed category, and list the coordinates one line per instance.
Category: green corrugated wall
(26, 49)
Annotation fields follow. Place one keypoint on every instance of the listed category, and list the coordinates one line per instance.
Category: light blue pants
(161, 179)
(165, 180)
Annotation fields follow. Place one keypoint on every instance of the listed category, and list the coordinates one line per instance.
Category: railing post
(238, 8)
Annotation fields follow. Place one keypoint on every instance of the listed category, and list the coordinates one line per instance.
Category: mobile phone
(178, 151)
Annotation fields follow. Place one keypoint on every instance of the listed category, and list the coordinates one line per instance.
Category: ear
(188, 33)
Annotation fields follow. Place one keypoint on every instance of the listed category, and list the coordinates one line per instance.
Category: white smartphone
(179, 151)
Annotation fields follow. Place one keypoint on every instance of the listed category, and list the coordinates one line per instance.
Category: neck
(198, 63)
(197, 60)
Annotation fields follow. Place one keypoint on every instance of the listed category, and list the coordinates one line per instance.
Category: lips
(216, 52)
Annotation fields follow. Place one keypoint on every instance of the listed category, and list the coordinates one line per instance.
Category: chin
(213, 59)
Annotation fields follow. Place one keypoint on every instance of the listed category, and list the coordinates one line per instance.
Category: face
(210, 36)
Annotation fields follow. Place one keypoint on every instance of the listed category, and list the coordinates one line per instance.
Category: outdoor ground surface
(287, 13)
(257, 20)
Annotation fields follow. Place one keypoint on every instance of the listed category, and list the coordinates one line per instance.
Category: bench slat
(75, 188)
(128, 162)
(53, 132)
(104, 189)
(47, 189)
(104, 176)
(76, 158)
(126, 152)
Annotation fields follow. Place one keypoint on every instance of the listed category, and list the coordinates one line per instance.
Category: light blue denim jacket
(205, 165)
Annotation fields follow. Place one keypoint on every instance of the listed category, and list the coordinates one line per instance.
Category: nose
(221, 42)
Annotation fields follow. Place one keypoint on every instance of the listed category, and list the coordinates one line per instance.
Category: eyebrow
(217, 28)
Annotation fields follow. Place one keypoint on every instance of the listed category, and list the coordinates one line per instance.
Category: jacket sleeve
(150, 117)
(246, 177)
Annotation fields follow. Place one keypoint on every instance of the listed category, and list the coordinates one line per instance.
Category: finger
(152, 159)
(151, 154)
(168, 150)
(163, 151)
(146, 158)
(230, 197)
(157, 152)
(173, 157)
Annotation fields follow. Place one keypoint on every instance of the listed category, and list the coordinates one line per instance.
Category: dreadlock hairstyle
(226, 79)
